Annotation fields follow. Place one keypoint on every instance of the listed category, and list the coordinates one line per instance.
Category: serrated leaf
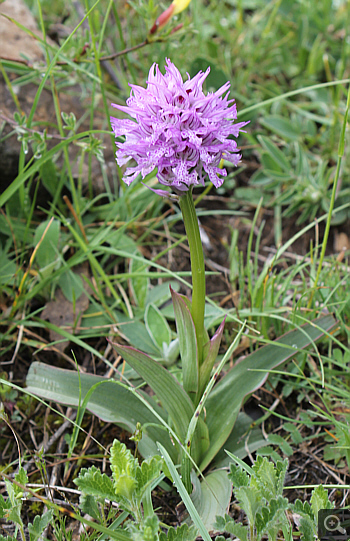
(88, 505)
(22, 478)
(95, 483)
(148, 531)
(4, 505)
(238, 477)
(250, 500)
(123, 466)
(39, 525)
(181, 533)
(319, 500)
(230, 526)
(268, 478)
(268, 520)
(147, 473)
(188, 344)
(157, 326)
(307, 529)
(303, 508)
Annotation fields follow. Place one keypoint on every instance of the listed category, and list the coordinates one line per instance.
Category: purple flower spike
(178, 129)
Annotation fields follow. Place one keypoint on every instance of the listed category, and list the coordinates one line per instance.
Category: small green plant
(259, 493)
(130, 487)
(11, 510)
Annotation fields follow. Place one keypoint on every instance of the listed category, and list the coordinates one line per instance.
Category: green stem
(197, 267)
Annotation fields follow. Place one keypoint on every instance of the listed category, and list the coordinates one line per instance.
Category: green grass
(106, 252)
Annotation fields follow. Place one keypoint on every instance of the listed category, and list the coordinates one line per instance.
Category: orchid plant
(184, 133)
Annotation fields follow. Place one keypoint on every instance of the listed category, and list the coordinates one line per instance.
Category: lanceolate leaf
(111, 402)
(224, 402)
(188, 344)
(210, 359)
(211, 496)
(172, 396)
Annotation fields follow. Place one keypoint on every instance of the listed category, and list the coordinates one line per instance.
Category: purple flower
(178, 129)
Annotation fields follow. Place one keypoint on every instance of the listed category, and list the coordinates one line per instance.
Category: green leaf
(147, 531)
(47, 251)
(157, 326)
(211, 496)
(111, 402)
(139, 284)
(188, 344)
(276, 439)
(320, 500)
(250, 500)
(22, 478)
(160, 293)
(268, 520)
(147, 473)
(39, 525)
(227, 524)
(123, 466)
(198, 522)
(282, 126)
(48, 176)
(224, 402)
(275, 153)
(238, 477)
(208, 363)
(181, 533)
(94, 483)
(307, 529)
(268, 477)
(71, 285)
(88, 505)
(243, 440)
(172, 396)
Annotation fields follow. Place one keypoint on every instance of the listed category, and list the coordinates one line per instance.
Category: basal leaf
(110, 401)
(212, 496)
(225, 400)
(172, 396)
